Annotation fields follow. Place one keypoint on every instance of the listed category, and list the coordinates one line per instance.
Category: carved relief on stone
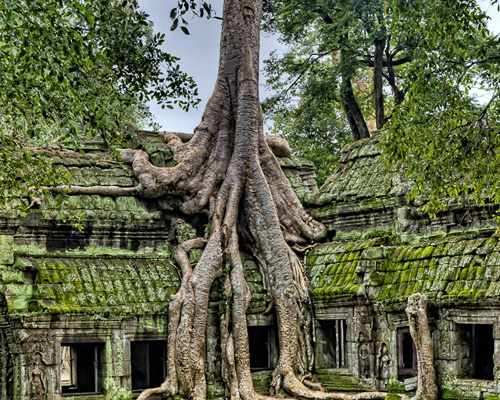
(37, 382)
(365, 357)
(39, 343)
(384, 365)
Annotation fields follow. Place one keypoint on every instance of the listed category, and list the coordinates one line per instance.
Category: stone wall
(107, 282)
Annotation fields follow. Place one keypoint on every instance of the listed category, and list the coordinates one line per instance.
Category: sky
(199, 54)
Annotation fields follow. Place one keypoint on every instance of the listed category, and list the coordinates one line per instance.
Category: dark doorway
(79, 368)
(260, 342)
(478, 360)
(332, 344)
(148, 364)
(407, 355)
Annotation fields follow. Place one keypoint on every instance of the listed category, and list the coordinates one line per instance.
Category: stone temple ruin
(83, 313)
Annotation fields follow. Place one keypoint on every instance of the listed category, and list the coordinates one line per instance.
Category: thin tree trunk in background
(353, 112)
(377, 82)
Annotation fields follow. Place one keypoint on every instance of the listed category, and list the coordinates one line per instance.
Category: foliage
(72, 70)
(314, 126)
(448, 128)
(199, 8)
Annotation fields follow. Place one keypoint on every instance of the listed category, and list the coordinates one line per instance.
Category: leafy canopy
(327, 78)
(73, 70)
(447, 130)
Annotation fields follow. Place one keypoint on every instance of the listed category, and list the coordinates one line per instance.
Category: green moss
(377, 232)
(339, 381)
(427, 252)
(6, 249)
(392, 396)
(374, 253)
(262, 381)
(448, 394)
(95, 285)
(395, 386)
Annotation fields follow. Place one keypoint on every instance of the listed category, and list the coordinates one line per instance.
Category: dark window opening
(407, 354)
(477, 351)
(148, 363)
(332, 344)
(260, 341)
(79, 368)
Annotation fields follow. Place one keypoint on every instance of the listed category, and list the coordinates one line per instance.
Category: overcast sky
(199, 54)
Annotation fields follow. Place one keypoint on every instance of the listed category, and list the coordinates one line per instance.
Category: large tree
(355, 48)
(226, 170)
(339, 75)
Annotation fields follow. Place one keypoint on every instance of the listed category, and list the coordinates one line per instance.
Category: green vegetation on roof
(460, 269)
(80, 285)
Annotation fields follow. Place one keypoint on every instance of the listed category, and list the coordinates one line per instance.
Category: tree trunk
(353, 112)
(399, 95)
(421, 334)
(377, 82)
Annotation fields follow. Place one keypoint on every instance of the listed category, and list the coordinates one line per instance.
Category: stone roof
(366, 194)
(362, 175)
(360, 186)
(451, 270)
(65, 285)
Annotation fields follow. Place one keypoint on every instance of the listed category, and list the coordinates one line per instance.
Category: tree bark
(378, 83)
(421, 334)
(353, 112)
(399, 95)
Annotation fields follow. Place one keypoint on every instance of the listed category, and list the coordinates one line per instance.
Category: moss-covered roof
(97, 167)
(461, 269)
(361, 174)
(362, 193)
(366, 194)
(84, 285)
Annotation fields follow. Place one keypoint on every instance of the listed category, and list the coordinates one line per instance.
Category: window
(80, 368)
(148, 363)
(407, 355)
(261, 344)
(332, 344)
(476, 349)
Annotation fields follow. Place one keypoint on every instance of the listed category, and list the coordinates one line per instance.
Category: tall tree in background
(343, 64)
(357, 43)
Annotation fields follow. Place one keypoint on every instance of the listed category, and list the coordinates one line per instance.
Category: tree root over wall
(227, 170)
